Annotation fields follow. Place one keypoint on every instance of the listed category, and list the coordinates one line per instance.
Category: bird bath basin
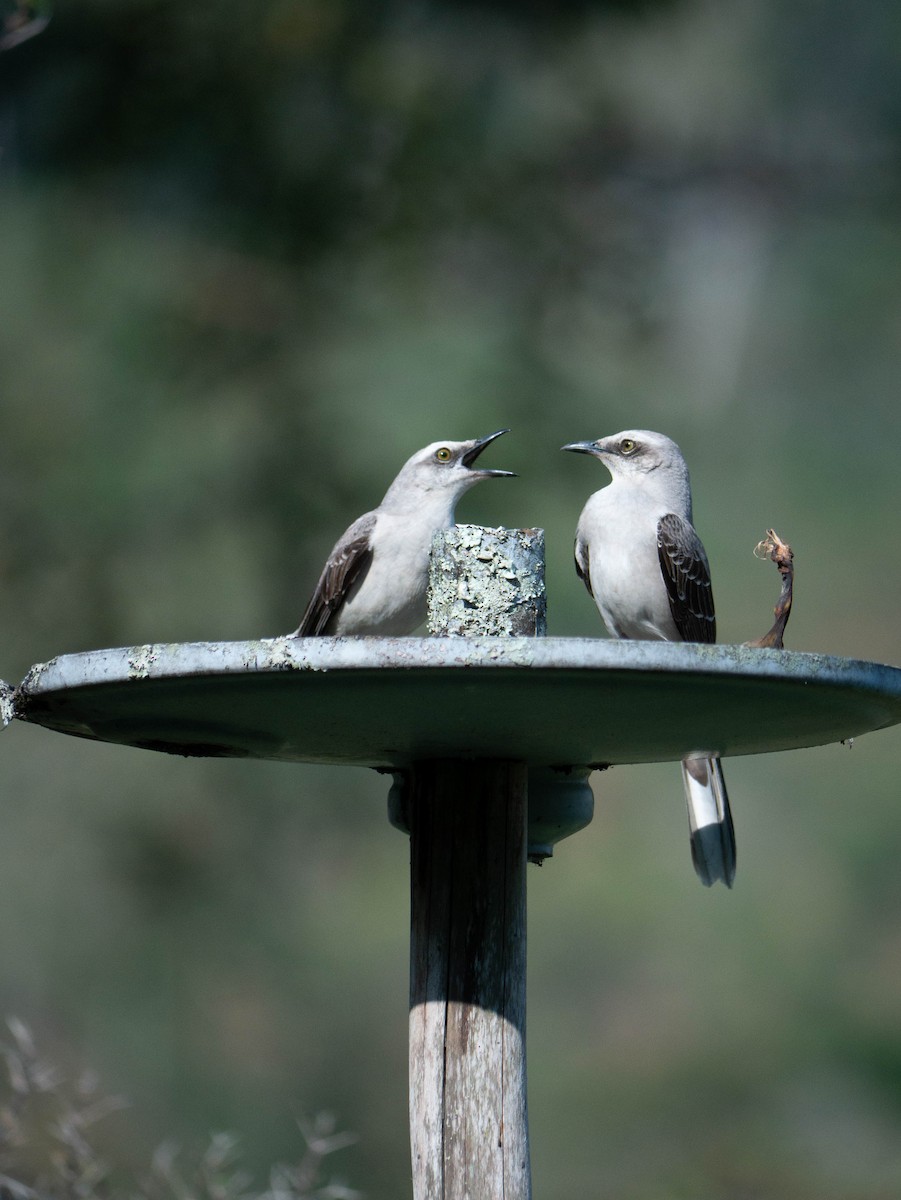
(390, 702)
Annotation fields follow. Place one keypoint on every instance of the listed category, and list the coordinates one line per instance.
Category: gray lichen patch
(487, 582)
(273, 654)
(140, 661)
(7, 709)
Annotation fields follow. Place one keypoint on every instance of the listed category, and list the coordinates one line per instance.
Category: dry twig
(773, 548)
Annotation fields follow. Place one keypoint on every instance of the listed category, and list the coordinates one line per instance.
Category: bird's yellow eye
(628, 446)
(443, 455)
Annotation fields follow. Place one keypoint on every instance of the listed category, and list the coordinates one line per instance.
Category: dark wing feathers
(580, 553)
(347, 564)
(687, 578)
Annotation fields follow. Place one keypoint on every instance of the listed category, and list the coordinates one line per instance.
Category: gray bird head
(634, 452)
(449, 465)
(445, 467)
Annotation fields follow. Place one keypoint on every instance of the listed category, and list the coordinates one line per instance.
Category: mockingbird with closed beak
(643, 563)
(375, 579)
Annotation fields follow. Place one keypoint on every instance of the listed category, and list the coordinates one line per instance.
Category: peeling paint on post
(487, 583)
(468, 834)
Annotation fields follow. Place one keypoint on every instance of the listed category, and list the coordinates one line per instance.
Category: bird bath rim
(388, 702)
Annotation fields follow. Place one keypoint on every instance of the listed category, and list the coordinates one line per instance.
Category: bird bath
(470, 727)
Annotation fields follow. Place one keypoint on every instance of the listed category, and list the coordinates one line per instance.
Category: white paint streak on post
(468, 823)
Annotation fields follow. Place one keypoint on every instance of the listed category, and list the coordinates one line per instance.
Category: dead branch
(779, 552)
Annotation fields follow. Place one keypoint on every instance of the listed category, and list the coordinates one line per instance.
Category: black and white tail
(712, 835)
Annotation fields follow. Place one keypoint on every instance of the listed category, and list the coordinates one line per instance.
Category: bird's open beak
(469, 456)
(582, 447)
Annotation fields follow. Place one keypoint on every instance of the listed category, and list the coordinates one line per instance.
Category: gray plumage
(642, 561)
(375, 579)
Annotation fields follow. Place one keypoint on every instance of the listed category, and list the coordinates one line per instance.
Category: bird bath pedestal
(490, 740)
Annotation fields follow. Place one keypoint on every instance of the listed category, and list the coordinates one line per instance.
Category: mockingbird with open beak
(644, 565)
(375, 579)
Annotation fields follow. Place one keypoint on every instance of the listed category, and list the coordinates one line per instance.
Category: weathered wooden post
(468, 1124)
(468, 841)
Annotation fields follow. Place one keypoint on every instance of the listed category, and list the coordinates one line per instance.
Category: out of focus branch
(779, 552)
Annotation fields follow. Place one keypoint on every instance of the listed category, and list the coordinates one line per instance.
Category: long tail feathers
(712, 834)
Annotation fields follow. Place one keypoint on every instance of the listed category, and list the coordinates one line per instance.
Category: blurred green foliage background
(252, 256)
